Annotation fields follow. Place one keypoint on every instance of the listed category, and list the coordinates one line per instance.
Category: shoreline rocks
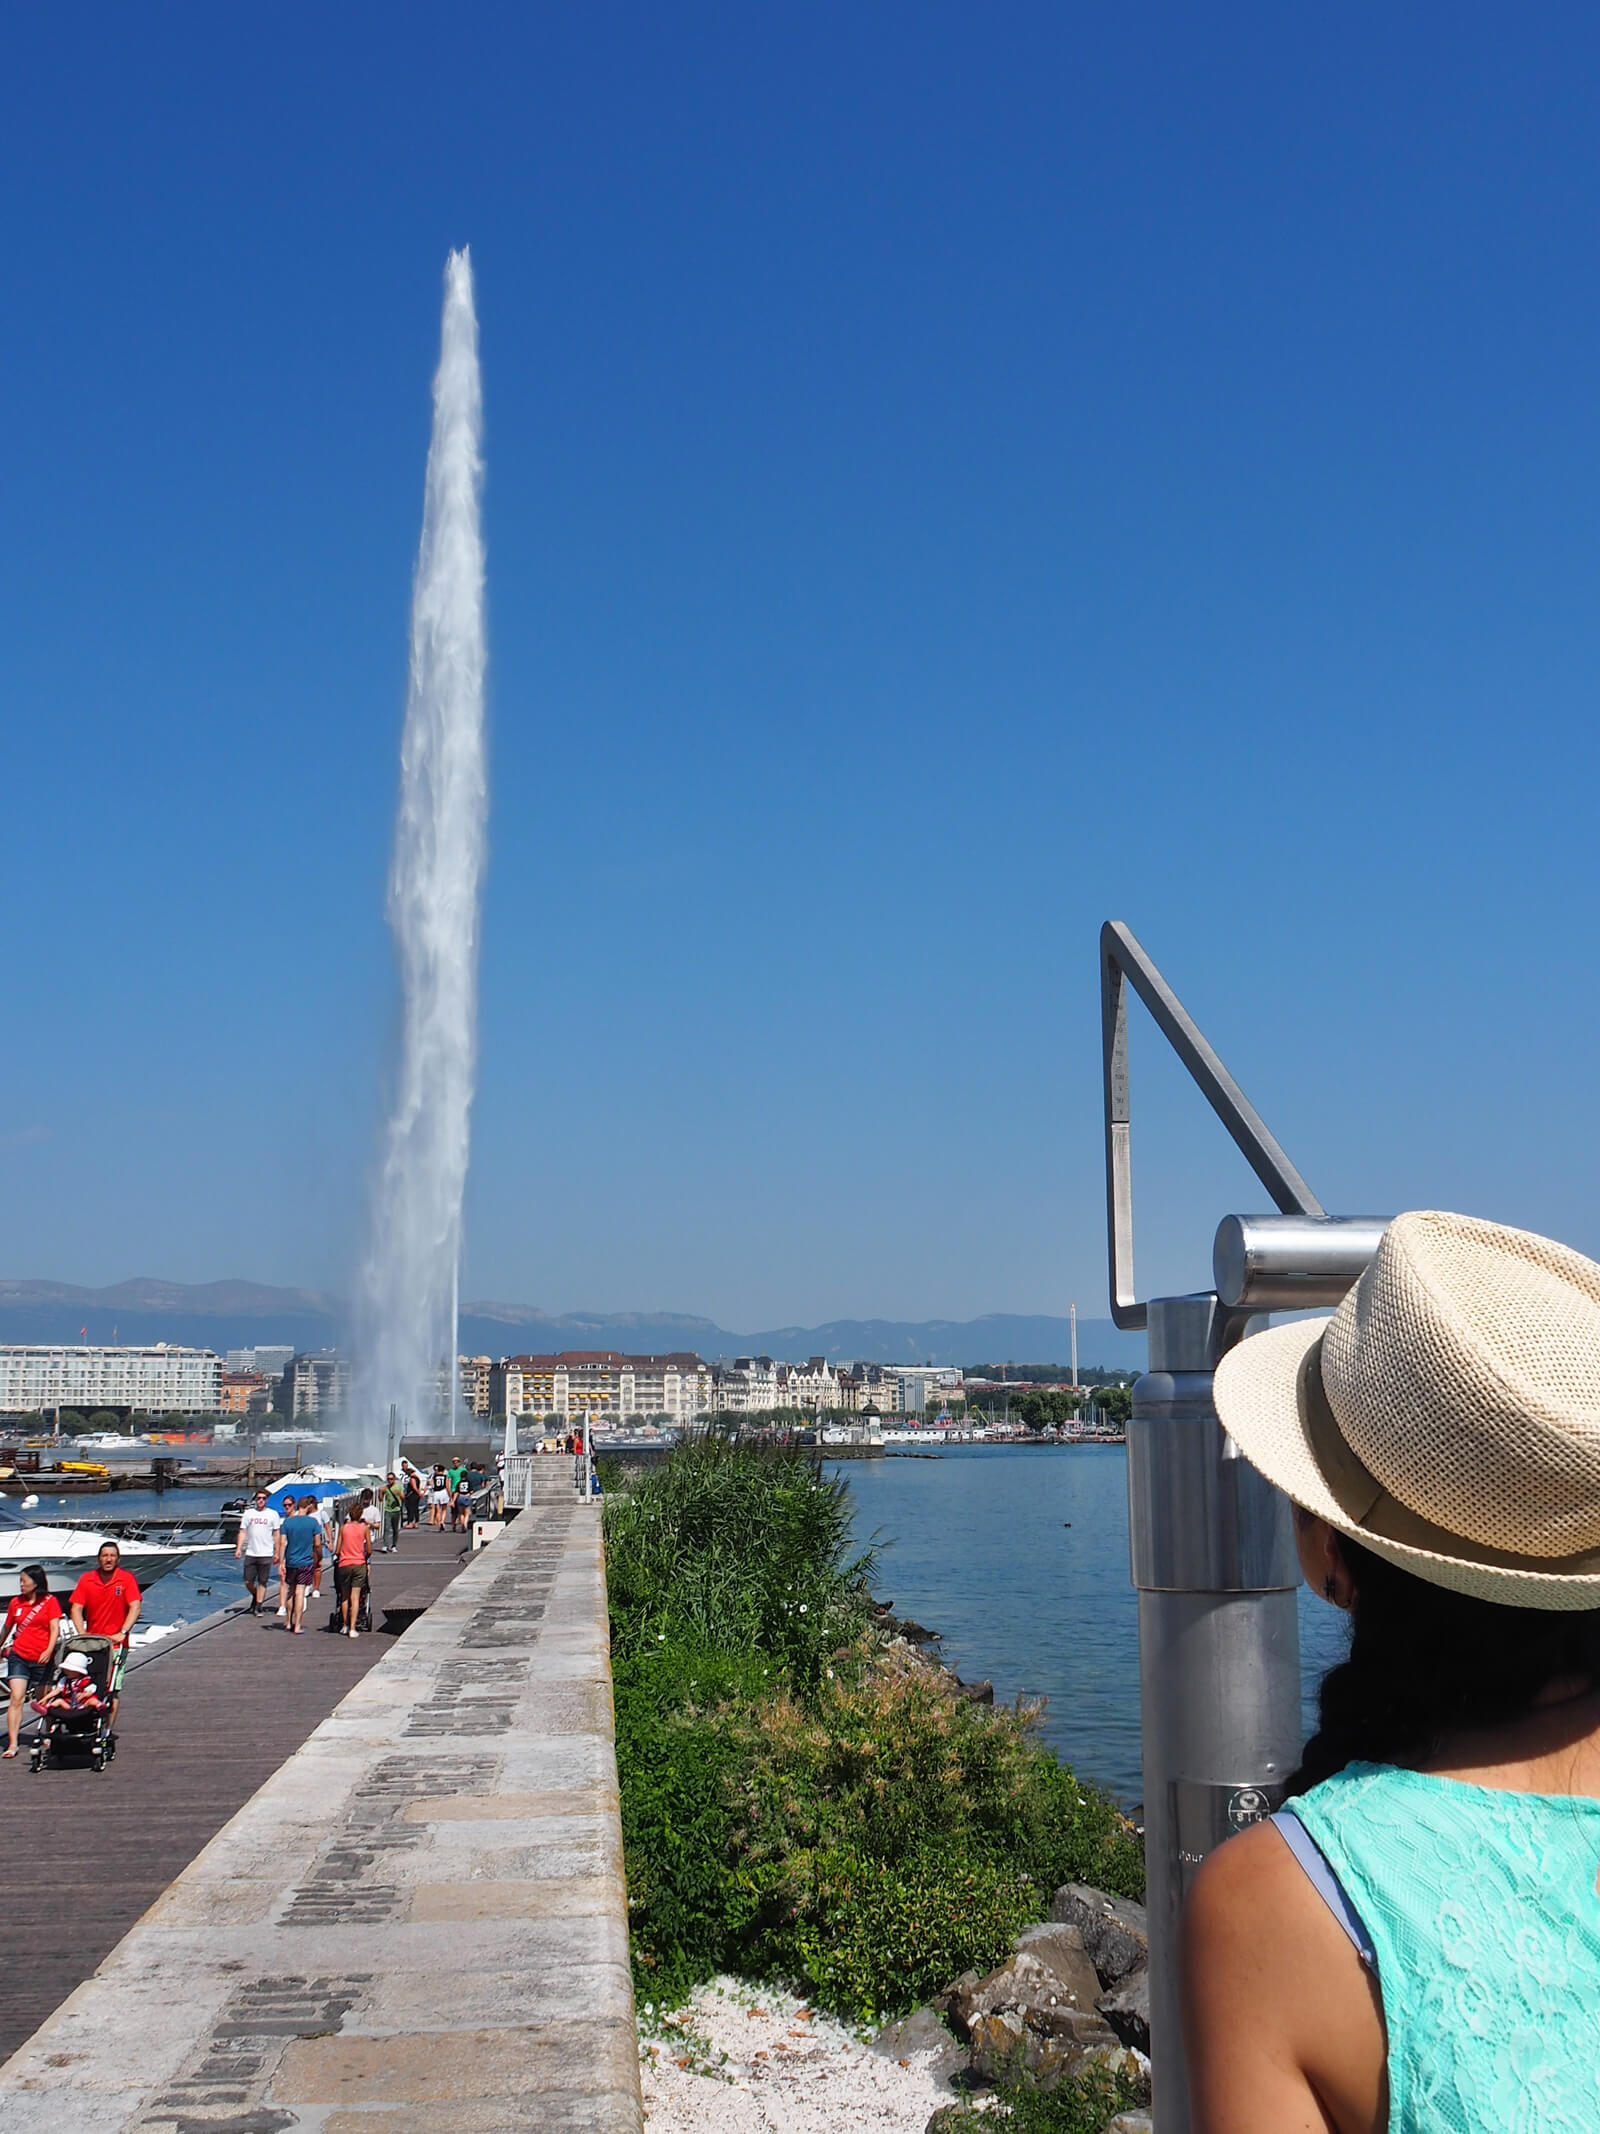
(1073, 1994)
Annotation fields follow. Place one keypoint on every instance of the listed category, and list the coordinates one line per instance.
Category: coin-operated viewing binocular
(1211, 1542)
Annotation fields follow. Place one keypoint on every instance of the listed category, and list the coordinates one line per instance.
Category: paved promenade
(418, 1924)
(206, 1720)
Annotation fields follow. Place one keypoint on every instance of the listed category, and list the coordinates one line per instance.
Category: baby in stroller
(75, 1711)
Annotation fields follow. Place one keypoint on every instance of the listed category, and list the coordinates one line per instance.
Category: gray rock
(1127, 2008)
(1052, 1972)
(1124, 2123)
(943, 2004)
(951, 2119)
(1043, 2048)
(920, 2031)
(1060, 1948)
(1115, 1930)
(1121, 2060)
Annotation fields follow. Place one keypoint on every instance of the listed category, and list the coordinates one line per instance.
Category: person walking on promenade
(462, 1505)
(413, 1499)
(32, 1628)
(301, 1540)
(258, 1545)
(105, 1603)
(438, 1497)
(392, 1504)
(1412, 1945)
(325, 1510)
(351, 1560)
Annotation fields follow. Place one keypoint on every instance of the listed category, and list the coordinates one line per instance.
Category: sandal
(7, 1754)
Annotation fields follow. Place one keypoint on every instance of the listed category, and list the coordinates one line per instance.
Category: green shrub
(1080, 2104)
(872, 1939)
(733, 1549)
(793, 1805)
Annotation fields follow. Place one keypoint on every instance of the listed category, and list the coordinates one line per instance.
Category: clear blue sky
(954, 474)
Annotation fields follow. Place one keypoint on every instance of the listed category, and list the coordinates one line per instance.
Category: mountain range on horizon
(239, 1314)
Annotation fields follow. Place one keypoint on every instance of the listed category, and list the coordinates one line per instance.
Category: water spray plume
(409, 1280)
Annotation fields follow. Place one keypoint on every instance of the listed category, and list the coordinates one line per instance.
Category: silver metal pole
(388, 1465)
(1212, 1547)
(1211, 1542)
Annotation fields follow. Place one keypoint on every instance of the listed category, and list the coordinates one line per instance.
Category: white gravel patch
(739, 2059)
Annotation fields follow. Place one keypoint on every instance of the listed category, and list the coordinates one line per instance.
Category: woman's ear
(1322, 1559)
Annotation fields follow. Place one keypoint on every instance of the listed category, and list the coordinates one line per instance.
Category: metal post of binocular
(1211, 1542)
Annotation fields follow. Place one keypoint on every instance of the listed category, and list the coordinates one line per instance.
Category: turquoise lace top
(1482, 1909)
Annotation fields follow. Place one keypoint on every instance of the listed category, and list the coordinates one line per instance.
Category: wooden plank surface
(201, 1728)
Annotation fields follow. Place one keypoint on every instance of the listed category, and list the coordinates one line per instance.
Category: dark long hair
(1426, 1663)
(41, 1584)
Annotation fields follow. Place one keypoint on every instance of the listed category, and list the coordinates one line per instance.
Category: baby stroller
(363, 1609)
(75, 1711)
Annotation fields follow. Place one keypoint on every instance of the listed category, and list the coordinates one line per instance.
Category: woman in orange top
(352, 1554)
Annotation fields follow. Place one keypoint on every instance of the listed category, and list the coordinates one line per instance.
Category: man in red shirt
(105, 1604)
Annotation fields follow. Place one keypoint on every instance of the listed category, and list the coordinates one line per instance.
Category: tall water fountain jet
(409, 1290)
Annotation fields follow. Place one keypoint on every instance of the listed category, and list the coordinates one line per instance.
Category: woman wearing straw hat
(1414, 1942)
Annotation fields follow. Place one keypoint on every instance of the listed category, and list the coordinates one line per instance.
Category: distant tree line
(76, 1422)
(1048, 1374)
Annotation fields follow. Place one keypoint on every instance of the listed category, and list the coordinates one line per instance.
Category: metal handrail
(1122, 963)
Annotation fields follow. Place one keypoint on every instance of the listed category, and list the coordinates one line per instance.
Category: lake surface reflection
(1019, 1555)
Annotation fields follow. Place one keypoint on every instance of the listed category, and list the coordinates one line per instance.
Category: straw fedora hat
(1447, 1415)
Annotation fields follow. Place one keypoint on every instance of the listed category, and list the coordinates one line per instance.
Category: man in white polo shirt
(258, 1545)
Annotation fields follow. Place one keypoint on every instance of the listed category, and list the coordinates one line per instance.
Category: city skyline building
(271, 1359)
(162, 1379)
(603, 1385)
(318, 1386)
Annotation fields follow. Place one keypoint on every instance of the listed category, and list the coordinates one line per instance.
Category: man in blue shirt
(301, 1541)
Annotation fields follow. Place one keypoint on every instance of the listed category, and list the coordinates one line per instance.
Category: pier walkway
(206, 1720)
(417, 1923)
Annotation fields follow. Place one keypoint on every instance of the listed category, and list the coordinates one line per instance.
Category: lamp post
(1211, 1542)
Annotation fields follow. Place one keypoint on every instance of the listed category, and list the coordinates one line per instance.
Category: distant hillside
(227, 1315)
(217, 1315)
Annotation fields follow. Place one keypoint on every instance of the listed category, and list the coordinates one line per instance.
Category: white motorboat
(64, 1553)
(347, 1477)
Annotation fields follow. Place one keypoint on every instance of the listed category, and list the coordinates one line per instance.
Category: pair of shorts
(36, 1673)
(349, 1578)
(297, 1574)
(258, 1570)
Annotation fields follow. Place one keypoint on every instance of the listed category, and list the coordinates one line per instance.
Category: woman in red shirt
(33, 1624)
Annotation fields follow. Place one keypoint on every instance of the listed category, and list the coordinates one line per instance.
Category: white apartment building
(813, 1384)
(160, 1380)
(751, 1384)
(603, 1385)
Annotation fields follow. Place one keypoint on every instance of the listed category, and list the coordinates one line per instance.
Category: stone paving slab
(419, 1922)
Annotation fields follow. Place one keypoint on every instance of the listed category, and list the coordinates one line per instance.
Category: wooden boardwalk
(202, 1727)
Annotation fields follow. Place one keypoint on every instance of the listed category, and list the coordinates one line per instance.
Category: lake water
(197, 1587)
(1019, 1556)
